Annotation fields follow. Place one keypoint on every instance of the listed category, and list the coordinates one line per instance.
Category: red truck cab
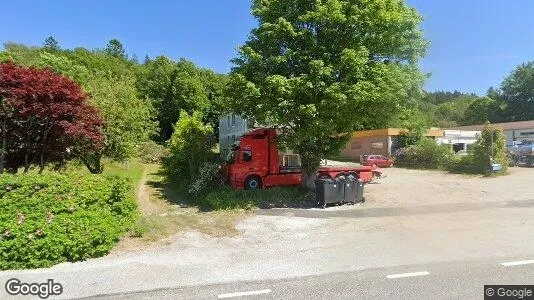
(256, 162)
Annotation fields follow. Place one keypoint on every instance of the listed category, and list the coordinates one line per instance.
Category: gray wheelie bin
(353, 189)
(329, 191)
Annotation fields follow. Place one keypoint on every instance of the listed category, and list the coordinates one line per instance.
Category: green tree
(51, 44)
(480, 111)
(115, 49)
(494, 93)
(440, 97)
(451, 113)
(129, 119)
(64, 66)
(517, 92)
(319, 70)
(173, 87)
(490, 148)
(190, 147)
(4, 56)
(414, 124)
(21, 54)
(98, 61)
(95, 61)
(215, 86)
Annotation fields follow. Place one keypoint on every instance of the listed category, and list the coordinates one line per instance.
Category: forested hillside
(139, 101)
(512, 101)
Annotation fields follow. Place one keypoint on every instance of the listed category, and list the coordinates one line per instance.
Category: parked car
(376, 161)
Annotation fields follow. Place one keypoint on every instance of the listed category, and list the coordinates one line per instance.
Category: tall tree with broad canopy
(320, 69)
(172, 86)
(517, 93)
(481, 110)
(129, 119)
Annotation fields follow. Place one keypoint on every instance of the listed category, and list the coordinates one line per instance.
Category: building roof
(433, 132)
(503, 126)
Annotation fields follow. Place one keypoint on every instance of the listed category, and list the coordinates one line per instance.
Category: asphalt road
(457, 280)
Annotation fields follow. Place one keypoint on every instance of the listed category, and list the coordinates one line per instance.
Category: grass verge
(165, 212)
(277, 197)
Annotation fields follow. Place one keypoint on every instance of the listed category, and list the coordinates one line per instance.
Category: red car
(376, 161)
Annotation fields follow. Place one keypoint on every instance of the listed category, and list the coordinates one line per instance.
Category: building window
(377, 145)
(247, 156)
(233, 120)
(526, 133)
(233, 138)
(356, 145)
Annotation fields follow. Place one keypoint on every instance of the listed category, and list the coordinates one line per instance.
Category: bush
(462, 165)
(490, 147)
(486, 150)
(46, 220)
(209, 177)
(152, 153)
(426, 154)
(190, 147)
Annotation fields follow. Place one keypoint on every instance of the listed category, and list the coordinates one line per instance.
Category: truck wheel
(253, 183)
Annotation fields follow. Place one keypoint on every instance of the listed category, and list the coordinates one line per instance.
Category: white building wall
(519, 135)
(509, 134)
(451, 137)
(231, 128)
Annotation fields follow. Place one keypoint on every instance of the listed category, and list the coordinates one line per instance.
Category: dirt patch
(164, 213)
(146, 200)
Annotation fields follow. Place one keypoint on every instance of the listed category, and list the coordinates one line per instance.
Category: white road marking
(517, 263)
(407, 275)
(240, 294)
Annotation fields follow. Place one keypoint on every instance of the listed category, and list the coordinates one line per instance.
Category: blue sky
(474, 43)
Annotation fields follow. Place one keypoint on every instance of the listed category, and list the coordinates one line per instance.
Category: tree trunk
(47, 127)
(41, 164)
(4, 147)
(310, 163)
(26, 163)
(308, 179)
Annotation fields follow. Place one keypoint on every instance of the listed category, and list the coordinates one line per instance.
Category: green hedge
(463, 165)
(46, 220)
(426, 154)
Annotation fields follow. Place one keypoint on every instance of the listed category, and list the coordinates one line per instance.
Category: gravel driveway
(404, 187)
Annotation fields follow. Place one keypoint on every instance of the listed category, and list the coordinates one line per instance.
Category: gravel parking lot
(404, 187)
